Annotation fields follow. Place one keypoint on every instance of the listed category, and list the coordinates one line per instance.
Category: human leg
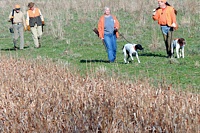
(35, 36)
(167, 35)
(39, 32)
(165, 41)
(169, 41)
(21, 34)
(109, 44)
(114, 46)
(16, 35)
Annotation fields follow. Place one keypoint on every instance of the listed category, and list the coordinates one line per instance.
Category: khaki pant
(168, 41)
(18, 32)
(36, 34)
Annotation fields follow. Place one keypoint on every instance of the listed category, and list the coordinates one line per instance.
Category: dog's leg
(182, 50)
(180, 53)
(177, 51)
(128, 58)
(124, 52)
(130, 54)
(125, 61)
(136, 54)
(172, 48)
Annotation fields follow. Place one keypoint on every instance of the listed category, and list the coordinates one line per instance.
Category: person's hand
(116, 29)
(154, 12)
(42, 22)
(173, 25)
(25, 28)
(28, 28)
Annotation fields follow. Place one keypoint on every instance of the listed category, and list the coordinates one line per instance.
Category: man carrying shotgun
(108, 26)
(17, 19)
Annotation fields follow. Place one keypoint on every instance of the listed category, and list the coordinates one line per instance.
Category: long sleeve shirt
(18, 17)
(101, 26)
(165, 16)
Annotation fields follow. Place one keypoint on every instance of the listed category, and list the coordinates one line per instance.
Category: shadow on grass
(106, 61)
(94, 61)
(100, 61)
(152, 54)
(12, 49)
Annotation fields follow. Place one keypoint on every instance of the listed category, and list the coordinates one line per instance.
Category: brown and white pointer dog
(179, 45)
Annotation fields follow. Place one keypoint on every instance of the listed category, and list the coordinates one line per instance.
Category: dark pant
(168, 41)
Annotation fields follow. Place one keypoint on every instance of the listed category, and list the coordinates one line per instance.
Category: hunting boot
(15, 44)
(39, 41)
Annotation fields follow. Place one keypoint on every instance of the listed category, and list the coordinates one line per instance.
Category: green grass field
(77, 45)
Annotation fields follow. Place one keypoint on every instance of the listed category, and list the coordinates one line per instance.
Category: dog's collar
(134, 48)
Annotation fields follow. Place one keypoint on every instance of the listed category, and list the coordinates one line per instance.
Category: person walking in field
(35, 20)
(108, 27)
(166, 17)
(17, 19)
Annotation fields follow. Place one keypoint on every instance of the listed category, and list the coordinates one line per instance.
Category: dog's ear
(139, 46)
(181, 41)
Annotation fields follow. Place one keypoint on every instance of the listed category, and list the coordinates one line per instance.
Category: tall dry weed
(40, 96)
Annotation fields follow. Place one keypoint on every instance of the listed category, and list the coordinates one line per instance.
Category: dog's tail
(123, 49)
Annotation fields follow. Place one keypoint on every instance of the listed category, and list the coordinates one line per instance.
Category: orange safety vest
(33, 15)
(34, 18)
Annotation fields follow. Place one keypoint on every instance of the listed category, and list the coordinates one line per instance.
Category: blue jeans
(111, 45)
(165, 29)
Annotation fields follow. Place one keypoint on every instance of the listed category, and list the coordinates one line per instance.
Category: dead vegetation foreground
(41, 96)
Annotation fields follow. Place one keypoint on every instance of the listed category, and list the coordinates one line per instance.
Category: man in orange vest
(166, 17)
(18, 25)
(35, 20)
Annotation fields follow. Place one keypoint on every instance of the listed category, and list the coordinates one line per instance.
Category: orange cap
(162, 1)
(17, 6)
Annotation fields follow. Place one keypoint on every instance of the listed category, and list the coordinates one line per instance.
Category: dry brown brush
(41, 96)
(60, 13)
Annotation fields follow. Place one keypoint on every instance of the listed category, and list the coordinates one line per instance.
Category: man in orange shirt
(166, 17)
(108, 26)
(35, 20)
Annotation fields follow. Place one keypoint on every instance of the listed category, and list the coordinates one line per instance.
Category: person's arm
(101, 28)
(23, 21)
(155, 15)
(41, 16)
(27, 19)
(173, 16)
(116, 26)
(10, 16)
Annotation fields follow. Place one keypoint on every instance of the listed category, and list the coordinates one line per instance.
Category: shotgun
(97, 33)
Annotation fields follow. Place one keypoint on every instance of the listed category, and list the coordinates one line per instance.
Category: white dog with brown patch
(130, 49)
(179, 45)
